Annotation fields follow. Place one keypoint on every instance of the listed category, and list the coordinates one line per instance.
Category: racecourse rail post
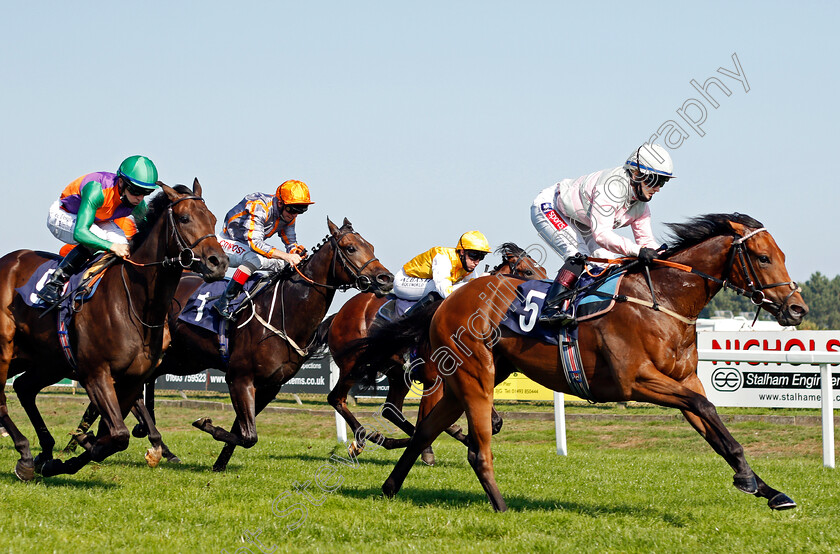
(560, 423)
(340, 425)
(823, 359)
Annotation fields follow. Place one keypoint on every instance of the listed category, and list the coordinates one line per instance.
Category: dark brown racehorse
(273, 337)
(353, 322)
(118, 334)
(631, 353)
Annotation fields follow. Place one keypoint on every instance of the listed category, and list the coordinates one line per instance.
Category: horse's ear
(347, 223)
(171, 193)
(196, 187)
(332, 226)
(739, 229)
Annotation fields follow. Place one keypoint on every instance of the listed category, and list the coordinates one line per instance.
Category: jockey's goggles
(296, 209)
(654, 181)
(475, 255)
(135, 190)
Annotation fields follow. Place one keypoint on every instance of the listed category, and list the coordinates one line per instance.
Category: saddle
(198, 308)
(79, 289)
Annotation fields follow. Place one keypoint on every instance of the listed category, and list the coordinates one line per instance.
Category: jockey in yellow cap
(440, 269)
(254, 219)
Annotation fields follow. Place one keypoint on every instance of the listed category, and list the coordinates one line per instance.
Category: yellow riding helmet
(473, 240)
(294, 192)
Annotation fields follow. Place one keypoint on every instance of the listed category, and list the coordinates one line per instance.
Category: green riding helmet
(140, 171)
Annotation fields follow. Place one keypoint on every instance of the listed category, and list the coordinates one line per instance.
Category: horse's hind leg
(25, 467)
(159, 448)
(27, 386)
(444, 414)
(88, 418)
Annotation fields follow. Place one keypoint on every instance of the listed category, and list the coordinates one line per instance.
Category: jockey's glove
(647, 255)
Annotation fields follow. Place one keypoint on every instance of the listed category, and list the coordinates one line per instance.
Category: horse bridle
(755, 290)
(361, 282)
(186, 257)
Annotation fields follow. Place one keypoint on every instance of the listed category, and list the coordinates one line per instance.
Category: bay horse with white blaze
(118, 334)
(631, 353)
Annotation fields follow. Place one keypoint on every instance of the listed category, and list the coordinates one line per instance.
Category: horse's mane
(303, 263)
(697, 229)
(505, 250)
(156, 207)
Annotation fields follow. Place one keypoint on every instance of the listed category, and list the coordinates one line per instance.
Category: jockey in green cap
(97, 212)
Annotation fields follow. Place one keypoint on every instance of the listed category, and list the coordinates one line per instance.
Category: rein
(185, 259)
(754, 289)
(361, 282)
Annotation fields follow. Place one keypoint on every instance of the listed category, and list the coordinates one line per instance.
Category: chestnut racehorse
(631, 353)
(117, 334)
(353, 322)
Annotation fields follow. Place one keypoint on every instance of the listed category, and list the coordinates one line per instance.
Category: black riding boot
(553, 314)
(222, 305)
(428, 299)
(50, 293)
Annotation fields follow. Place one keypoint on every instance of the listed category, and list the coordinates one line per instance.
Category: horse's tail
(318, 346)
(394, 338)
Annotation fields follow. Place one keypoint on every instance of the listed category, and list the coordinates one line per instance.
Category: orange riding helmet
(294, 192)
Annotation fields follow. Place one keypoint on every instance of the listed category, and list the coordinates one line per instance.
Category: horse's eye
(351, 249)
(183, 219)
(764, 259)
(529, 272)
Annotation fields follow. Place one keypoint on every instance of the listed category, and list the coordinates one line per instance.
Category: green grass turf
(625, 487)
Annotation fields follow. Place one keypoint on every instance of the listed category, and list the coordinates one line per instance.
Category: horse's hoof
(40, 460)
(389, 490)
(354, 449)
(25, 471)
(51, 468)
(139, 431)
(201, 422)
(428, 458)
(153, 457)
(746, 484)
(85, 440)
(218, 468)
(172, 458)
(781, 502)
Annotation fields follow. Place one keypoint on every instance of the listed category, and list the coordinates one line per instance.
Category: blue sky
(419, 121)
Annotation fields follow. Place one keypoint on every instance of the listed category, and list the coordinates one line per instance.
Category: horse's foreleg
(27, 387)
(337, 398)
(717, 435)
(689, 397)
(444, 414)
(263, 396)
(116, 435)
(479, 454)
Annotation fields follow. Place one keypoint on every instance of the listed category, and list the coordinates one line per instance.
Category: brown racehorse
(118, 333)
(353, 322)
(269, 344)
(631, 353)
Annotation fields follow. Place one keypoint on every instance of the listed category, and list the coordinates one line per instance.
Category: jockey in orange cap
(247, 226)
